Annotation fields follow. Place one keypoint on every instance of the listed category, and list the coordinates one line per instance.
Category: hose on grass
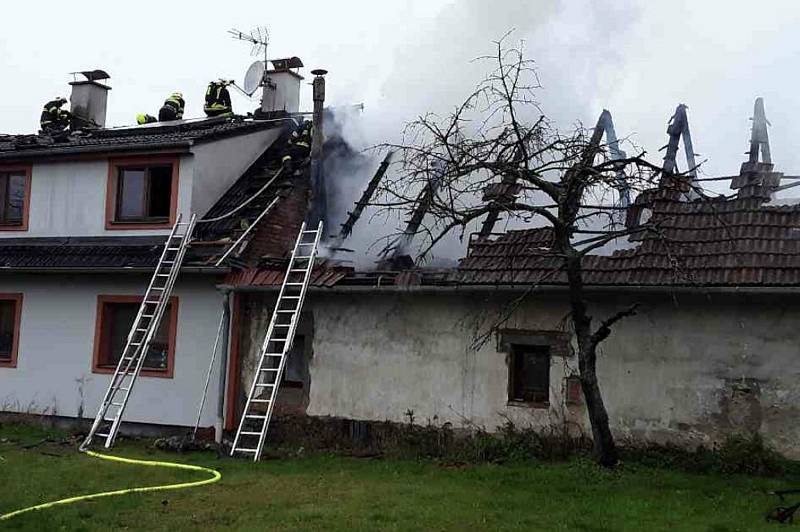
(215, 477)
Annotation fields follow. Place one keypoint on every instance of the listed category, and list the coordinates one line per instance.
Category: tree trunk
(605, 451)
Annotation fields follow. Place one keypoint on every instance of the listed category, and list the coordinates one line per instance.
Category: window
(10, 313)
(115, 316)
(142, 194)
(14, 197)
(530, 374)
(295, 370)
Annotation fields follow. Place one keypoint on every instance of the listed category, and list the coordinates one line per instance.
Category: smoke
(572, 43)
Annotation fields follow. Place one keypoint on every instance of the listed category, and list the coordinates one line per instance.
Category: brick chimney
(88, 99)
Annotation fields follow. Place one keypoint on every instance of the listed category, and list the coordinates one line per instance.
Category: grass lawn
(336, 493)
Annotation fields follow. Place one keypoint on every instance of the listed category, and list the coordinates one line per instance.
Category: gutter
(550, 289)
(147, 270)
(182, 146)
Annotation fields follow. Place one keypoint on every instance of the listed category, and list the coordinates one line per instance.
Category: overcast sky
(639, 59)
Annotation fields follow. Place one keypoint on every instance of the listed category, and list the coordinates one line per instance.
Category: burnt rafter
(677, 129)
(366, 197)
(399, 247)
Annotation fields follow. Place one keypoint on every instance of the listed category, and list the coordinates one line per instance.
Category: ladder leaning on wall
(277, 345)
(156, 298)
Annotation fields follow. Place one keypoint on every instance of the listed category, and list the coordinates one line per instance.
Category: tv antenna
(258, 38)
(256, 73)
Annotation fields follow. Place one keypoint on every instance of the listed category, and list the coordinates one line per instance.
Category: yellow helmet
(141, 119)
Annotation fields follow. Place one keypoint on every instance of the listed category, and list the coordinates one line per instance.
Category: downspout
(223, 363)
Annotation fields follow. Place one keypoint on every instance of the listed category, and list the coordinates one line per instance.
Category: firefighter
(54, 119)
(172, 108)
(297, 147)
(218, 99)
(143, 118)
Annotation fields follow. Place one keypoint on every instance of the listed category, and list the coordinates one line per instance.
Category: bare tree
(497, 154)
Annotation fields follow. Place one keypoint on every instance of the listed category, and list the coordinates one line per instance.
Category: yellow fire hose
(215, 477)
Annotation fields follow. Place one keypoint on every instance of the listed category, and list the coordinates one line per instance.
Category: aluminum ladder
(156, 298)
(277, 344)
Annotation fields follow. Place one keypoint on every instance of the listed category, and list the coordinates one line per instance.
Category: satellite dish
(254, 77)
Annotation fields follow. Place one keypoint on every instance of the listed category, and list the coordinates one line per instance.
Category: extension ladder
(277, 345)
(156, 298)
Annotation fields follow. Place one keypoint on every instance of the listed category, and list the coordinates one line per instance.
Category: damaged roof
(161, 135)
(719, 242)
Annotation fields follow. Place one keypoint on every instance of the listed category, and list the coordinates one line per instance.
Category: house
(712, 351)
(83, 220)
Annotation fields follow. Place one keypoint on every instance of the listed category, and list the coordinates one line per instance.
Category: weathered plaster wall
(54, 369)
(220, 163)
(688, 370)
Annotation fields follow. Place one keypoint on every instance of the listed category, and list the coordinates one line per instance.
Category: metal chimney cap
(319, 72)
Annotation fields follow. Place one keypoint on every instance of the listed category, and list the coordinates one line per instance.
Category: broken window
(10, 307)
(116, 319)
(144, 193)
(530, 374)
(294, 372)
(13, 185)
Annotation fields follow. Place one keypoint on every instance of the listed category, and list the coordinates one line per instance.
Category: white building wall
(54, 365)
(220, 163)
(69, 199)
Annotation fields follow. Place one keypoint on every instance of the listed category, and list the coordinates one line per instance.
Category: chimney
(88, 99)
(281, 93)
(319, 197)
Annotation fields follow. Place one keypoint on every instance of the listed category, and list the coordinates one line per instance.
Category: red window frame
(101, 344)
(17, 299)
(112, 190)
(26, 169)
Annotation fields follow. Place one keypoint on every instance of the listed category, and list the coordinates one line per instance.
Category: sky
(637, 58)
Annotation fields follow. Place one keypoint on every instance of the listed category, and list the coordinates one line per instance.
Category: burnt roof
(159, 136)
(720, 242)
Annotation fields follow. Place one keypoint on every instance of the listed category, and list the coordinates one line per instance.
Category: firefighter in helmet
(172, 108)
(54, 119)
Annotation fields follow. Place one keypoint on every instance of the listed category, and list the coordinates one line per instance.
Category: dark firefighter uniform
(142, 118)
(172, 108)
(54, 119)
(218, 99)
(297, 147)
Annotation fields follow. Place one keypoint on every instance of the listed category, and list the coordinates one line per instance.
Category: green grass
(334, 493)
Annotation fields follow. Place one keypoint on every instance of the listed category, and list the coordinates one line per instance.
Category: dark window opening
(144, 193)
(8, 329)
(294, 370)
(530, 374)
(117, 319)
(12, 197)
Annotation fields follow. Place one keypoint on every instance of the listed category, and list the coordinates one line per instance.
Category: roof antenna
(256, 72)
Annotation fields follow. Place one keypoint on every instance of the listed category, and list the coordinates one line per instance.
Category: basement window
(143, 193)
(14, 187)
(10, 313)
(529, 378)
(116, 315)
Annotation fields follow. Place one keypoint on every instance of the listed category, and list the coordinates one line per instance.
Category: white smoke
(571, 42)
